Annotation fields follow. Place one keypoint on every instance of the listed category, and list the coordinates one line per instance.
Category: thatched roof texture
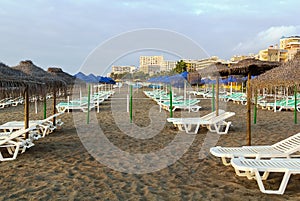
(287, 74)
(13, 82)
(51, 81)
(213, 70)
(254, 66)
(69, 79)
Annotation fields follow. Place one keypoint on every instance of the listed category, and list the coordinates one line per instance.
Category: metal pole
(255, 107)
(171, 102)
(130, 104)
(213, 98)
(295, 109)
(54, 106)
(217, 97)
(26, 111)
(89, 100)
(45, 106)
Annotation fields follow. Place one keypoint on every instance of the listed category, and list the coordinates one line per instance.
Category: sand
(59, 167)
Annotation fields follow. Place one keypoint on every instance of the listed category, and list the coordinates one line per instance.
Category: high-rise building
(168, 65)
(273, 54)
(288, 47)
(291, 44)
(151, 64)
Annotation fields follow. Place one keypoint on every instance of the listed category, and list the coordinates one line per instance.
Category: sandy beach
(59, 167)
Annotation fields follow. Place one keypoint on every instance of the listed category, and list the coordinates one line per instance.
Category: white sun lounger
(254, 167)
(284, 148)
(44, 126)
(14, 142)
(63, 107)
(211, 121)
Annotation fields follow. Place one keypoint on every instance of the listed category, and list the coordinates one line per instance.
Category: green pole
(255, 107)
(171, 102)
(130, 104)
(213, 98)
(89, 100)
(45, 107)
(295, 109)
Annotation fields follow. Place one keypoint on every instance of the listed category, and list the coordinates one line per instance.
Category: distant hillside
(91, 78)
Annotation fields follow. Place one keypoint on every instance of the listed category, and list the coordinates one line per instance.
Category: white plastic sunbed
(14, 142)
(284, 148)
(254, 167)
(211, 121)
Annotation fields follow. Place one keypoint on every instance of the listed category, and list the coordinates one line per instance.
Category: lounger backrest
(211, 115)
(222, 117)
(289, 145)
(16, 134)
(51, 117)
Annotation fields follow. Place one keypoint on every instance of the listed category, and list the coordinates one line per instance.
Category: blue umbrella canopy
(205, 81)
(184, 75)
(107, 80)
(231, 79)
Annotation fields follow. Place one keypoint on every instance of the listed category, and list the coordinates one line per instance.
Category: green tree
(180, 67)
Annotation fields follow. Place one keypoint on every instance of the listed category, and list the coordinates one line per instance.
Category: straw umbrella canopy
(14, 82)
(52, 83)
(70, 80)
(287, 74)
(38, 73)
(244, 67)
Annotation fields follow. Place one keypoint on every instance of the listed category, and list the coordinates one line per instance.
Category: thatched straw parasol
(14, 82)
(244, 67)
(249, 67)
(69, 79)
(287, 74)
(52, 82)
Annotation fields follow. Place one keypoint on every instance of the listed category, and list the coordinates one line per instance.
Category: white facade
(123, 69)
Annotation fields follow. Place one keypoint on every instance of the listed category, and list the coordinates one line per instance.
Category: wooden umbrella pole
(26, 111)
(249, 110)
(295, 109)
(54, 106)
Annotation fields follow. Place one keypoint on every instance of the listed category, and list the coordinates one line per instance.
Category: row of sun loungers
(82, 104)
(284, 103)
(11, 102)
(178, 102)
(256, 162)
(12, 135)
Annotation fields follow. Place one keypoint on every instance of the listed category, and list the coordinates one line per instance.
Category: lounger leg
(225, 161)
(247, 174)
(218, 127)
(188, 128)
(282, 187)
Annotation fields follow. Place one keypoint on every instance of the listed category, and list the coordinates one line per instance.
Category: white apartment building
(168, 65)
(123, 69)
(154, 62)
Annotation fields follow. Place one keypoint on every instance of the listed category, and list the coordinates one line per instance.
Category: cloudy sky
(64, 33)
